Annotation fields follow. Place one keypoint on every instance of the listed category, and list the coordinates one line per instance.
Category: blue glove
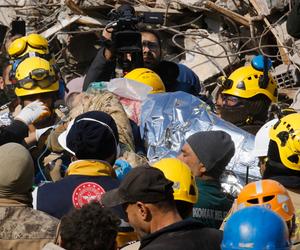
(122, 168)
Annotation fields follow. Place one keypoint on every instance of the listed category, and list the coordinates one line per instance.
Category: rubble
(212, 44)
(210, 37)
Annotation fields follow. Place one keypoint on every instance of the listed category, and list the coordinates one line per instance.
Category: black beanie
(94, 135)
(214, 149)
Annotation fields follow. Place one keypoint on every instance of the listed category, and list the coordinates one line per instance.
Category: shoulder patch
(86, 192)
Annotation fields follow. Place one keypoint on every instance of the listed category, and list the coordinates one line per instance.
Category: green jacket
(212, 205)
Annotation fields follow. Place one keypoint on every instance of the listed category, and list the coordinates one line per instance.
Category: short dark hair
(166, 205)
(91, 227)
(151, 31)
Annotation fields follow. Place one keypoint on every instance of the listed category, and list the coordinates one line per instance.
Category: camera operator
(175, 76)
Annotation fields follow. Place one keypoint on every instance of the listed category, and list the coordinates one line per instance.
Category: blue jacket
(85, 181)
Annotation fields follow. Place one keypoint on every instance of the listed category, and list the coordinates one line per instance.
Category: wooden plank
(74, 7)
(60, 25)
(234, 16)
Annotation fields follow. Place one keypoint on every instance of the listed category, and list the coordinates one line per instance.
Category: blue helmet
(255, 228)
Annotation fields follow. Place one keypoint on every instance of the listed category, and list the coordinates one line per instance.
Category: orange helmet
(267, 193)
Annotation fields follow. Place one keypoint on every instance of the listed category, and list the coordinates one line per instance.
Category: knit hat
(92, 135)
(17, 173)
(214, 149)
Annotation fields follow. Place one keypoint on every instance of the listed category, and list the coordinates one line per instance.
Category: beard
(150, 61)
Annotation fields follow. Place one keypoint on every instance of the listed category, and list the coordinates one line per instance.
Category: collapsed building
(209, 37)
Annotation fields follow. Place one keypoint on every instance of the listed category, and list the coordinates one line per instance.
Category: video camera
(126, 36)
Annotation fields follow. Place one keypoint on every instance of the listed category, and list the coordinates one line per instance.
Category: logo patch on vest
(85, 193)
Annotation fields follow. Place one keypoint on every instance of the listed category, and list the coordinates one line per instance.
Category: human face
(188, 156)
(135, 214)
(74, 99)
(151, 50)
(230, 100)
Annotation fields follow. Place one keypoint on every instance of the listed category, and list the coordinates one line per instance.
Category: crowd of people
(74, 169)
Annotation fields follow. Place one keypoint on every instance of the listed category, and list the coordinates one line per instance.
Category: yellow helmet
(185, 188)
(247, 82)
(148, 77)
(286, 134)
(35, 75)
(31, 43)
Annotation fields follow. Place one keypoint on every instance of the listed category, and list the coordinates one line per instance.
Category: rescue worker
(22, 227)
(147, 77)
(207, 153)
(272, 195)
(247, 94)
(184, 187)
(147, 198)
(35, 75)
(283, 163)
(93, 141)
(37, 79)
(255, 228)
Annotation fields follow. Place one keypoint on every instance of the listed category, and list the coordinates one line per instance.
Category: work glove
(122, 168)
(33, 112)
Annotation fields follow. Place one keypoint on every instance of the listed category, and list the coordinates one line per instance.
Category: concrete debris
(207, 44)
(210, 37)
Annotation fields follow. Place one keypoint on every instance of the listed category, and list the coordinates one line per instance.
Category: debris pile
(210, 37)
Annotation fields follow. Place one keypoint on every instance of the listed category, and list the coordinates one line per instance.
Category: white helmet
(262, 139)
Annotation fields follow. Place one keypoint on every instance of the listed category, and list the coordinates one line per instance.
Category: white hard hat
(262, 139)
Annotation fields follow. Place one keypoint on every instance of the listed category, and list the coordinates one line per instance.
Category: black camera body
(127, 38)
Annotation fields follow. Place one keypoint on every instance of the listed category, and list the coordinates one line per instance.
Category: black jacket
(16, 132)
(100, 70)
(187, 234)
(293, 20)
